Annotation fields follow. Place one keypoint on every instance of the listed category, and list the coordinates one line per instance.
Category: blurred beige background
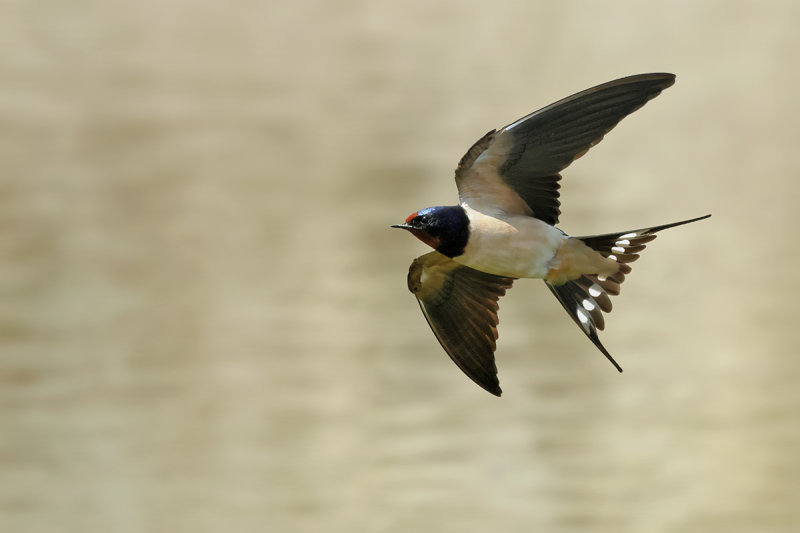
(204, 324)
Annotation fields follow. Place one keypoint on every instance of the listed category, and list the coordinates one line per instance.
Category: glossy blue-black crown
(449, 224)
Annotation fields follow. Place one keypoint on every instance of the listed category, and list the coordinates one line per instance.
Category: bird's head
(443, 228)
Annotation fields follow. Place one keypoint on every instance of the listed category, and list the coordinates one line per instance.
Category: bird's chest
(516, 246)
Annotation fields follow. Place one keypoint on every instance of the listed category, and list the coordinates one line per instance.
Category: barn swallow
(504, 227)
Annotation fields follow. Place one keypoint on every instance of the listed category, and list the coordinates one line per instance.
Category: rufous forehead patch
(411, 216)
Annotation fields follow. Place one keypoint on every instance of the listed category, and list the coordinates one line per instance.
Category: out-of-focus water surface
(204, 324)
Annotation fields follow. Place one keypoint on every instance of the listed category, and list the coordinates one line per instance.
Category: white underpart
(595, 290)
(587, 304)
(516, 246)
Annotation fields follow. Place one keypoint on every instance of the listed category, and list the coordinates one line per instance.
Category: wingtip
(491, 387)
(665, 79)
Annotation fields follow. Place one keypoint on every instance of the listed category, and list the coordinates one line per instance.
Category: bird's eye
(422, 219)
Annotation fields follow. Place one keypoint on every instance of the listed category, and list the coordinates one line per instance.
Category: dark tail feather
(587, 298)
(585, 309)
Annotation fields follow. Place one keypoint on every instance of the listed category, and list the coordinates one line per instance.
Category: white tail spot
(628, 235)
(587, 304)
(622, 242)
(612, 257)
(601, 277)
(595, 290)
(582, 316)
(618, 249)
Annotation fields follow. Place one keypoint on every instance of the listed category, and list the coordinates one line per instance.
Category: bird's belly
(517, 247)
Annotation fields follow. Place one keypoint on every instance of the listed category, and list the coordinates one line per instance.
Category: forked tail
(587, 298)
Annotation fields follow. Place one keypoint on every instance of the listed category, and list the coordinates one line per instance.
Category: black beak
(402, 226)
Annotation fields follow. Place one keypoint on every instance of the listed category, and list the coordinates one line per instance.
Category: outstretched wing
(516, 170)
(460, 305)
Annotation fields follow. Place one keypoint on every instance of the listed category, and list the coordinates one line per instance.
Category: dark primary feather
(540, 145)
(587, 298)
(548, 140)
(460, 305)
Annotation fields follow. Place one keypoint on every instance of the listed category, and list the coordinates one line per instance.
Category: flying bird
(504, 229)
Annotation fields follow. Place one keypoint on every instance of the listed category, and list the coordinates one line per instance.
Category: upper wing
(460, 305)
(515, 170)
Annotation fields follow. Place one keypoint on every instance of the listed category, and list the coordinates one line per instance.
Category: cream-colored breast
(516, 246)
